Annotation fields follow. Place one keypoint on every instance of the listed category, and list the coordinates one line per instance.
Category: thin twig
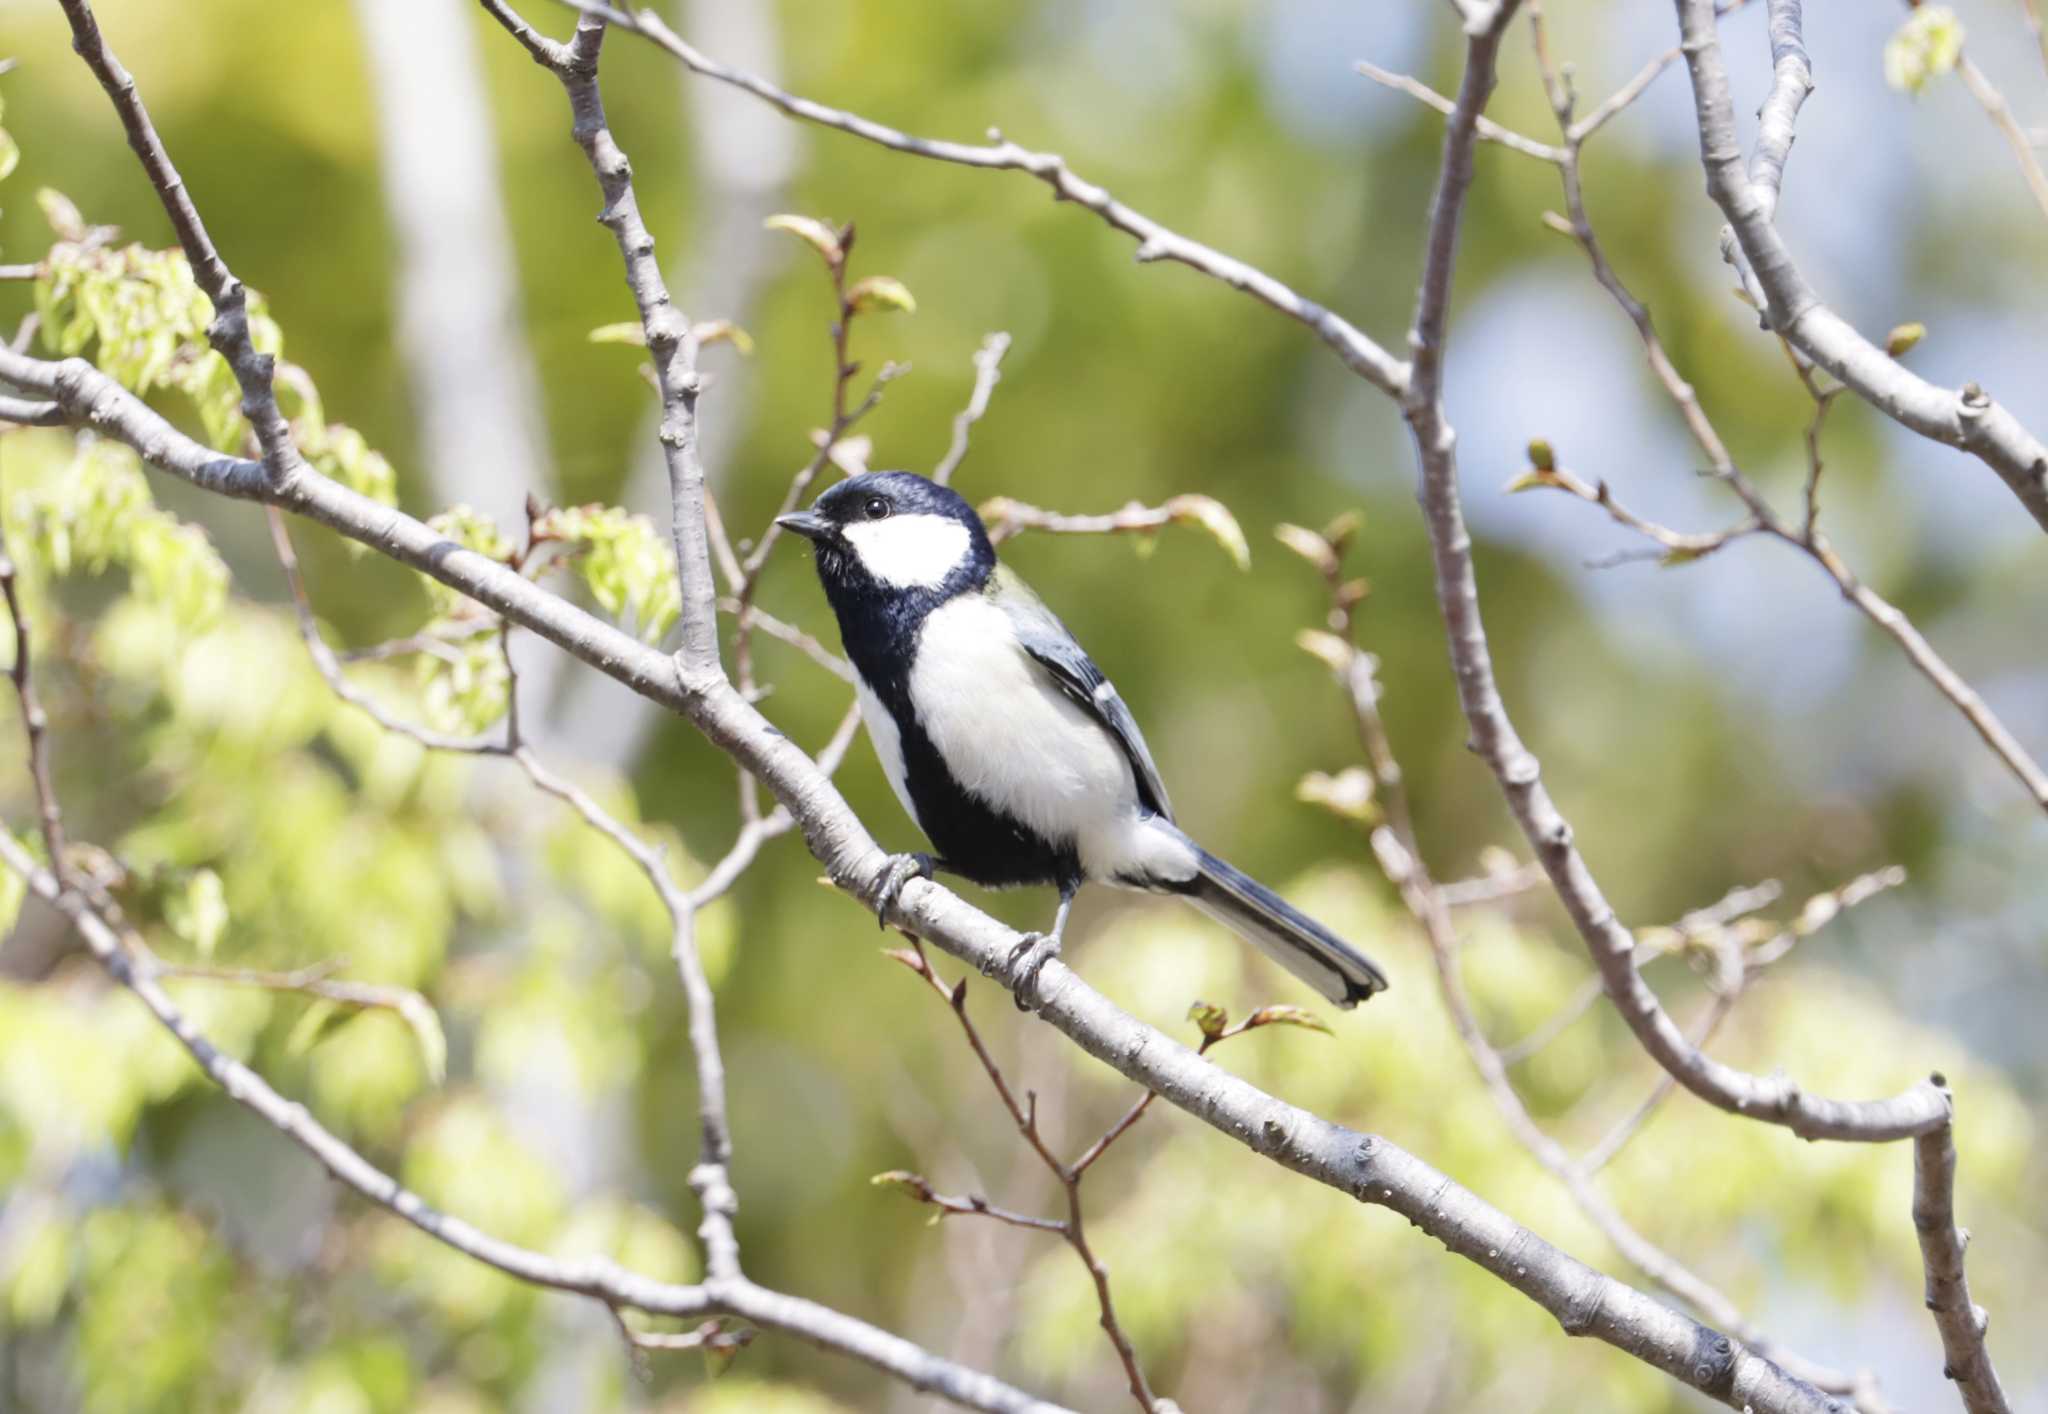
(1962, 417)
(1072, 1228)
(228, 332)
(330, 668)
(1155, 242)
(34, 720)
(988, 371)
(1985, 92)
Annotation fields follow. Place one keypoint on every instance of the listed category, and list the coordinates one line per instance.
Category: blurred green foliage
(160, 1251)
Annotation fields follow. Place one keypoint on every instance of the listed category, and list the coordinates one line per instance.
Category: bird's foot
(900, 870)
(1026, 960)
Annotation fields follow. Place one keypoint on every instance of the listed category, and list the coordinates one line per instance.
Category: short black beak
(808, 524)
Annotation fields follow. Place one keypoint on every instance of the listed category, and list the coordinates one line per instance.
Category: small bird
(1005, 742)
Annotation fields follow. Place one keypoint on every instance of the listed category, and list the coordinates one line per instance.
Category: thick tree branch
(1791, 82)
(1969, 418)
(1962, 1323)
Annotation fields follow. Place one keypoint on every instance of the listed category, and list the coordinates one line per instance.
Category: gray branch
(1775, 1099)
(1155, 242)
(1792, 81)
(1962, 1323)
(1969, 418)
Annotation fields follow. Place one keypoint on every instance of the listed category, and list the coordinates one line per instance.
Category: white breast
(1014, 741)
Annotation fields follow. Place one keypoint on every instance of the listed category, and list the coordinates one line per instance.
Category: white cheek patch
(909, 552)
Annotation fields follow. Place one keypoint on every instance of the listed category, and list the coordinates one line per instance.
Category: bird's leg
(1034, 950)
(900, 870)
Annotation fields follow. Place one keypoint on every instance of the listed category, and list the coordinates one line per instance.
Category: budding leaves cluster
(625, 562)
(622, 559)
(142, 319)
(98, 515)
(1927, 46)
(1215, 1025)
(884, 292)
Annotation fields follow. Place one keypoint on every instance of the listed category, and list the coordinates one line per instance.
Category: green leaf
(64, 217)
(1926, 46)
(1213, 516)
(13, 893)
(1531, 480)
(724, 331)
(1287, 1016)
(468, 690)
(1903, 337)
(198, 912)
(1306, 543)
(810, 230)
(1348, 794)
(1326, 647)
(910, 1183)
(1209, 1018)
(425, 1024)
(881, 292)
(626, 332)
(1541, 456)
(625, 561)
(1338, 532)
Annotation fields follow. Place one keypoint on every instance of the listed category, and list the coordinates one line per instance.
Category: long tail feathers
(1284, 933)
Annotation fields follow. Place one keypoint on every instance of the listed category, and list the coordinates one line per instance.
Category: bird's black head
(894, 541)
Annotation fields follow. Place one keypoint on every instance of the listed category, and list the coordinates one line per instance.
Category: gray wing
(1047, 640)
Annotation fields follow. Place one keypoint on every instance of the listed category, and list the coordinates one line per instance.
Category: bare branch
(1006, 517)
(671, 338)
(1678, 546)
(34, 720)
(1775, 1099)
(1961, 1322)
(1791, 82)
(330, 667)
(1492, 888)
(1985, 92)
(988, 371)
(795, 637)
(25, 413)
(1155, 242)
(1073, 1228)
(229, 330)
(1399, 851)
(1966, 418)
(1485, 127)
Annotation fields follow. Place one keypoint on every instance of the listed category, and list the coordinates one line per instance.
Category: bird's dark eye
(876, 508)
